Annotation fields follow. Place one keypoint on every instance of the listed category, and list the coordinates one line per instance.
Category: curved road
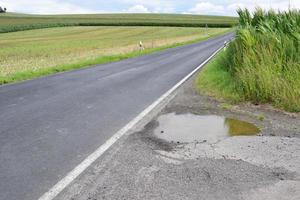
(49, 125)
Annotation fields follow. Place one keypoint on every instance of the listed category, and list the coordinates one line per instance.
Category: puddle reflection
(189, 128)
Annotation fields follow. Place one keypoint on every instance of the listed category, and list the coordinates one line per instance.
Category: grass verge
(214, 80)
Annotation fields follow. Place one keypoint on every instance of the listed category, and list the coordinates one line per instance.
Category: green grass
(34, 53)
(263, 64)
(214, 80)
(11, 22)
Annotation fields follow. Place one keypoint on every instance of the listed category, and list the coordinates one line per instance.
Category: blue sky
(210, 7)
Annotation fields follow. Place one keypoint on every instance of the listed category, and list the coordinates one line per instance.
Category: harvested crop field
(26, 52)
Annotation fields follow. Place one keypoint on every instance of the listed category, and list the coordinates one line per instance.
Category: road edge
(79, 169)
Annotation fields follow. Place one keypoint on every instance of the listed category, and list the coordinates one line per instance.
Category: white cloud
(213, 7)
(138, 9)
(161, 4)
(207, 8)
(152, 6)
(164, 10)
(274, 4)
(43, 7)
(144, 9)
(230, 7)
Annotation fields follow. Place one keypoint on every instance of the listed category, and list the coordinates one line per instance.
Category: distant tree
(2, 10)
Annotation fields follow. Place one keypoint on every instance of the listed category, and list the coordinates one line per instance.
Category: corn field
(264, 60)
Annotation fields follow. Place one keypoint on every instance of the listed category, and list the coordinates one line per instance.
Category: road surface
(49, 125)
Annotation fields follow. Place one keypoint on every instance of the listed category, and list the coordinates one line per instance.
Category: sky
(205, 7)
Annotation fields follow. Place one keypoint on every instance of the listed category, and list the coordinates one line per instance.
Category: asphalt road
(49, 125)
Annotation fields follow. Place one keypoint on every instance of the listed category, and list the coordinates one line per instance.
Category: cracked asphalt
(142, 166)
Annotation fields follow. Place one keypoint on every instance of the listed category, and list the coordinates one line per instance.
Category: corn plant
(264, 59)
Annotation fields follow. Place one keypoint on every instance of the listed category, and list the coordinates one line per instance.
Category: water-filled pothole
(185, 128)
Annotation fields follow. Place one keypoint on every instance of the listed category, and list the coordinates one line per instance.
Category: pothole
(187, 128)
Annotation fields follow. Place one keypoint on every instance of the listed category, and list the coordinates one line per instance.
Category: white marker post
(141, 45)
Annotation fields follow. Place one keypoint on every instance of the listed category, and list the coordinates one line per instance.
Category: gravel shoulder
(142, 166)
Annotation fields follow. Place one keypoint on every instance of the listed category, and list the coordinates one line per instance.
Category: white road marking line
(63, 183)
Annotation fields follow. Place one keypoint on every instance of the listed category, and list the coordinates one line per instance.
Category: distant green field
(33, 53)
(10, 22)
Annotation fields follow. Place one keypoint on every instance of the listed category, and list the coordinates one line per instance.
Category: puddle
(203, 128)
